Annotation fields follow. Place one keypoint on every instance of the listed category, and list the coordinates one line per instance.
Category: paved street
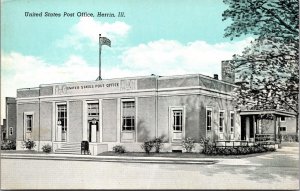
(278, 170)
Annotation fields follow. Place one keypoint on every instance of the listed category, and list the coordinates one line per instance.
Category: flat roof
(274, 112)
(137, 77)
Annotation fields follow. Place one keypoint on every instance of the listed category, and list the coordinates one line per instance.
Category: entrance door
(177, 122)
(243, 127)
(92, 131)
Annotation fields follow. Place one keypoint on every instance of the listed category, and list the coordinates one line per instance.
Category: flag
(104, 41)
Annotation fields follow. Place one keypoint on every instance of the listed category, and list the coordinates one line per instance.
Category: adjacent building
(11, 118)
(9, 124)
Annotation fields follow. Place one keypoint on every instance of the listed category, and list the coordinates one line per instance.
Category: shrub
(289, 137)
(47, 148)
(188, 144)
(212, 150)
(204, 142)
(119, 149)
(29, 144)
(8, 145)
(147, 146)
(158, 143)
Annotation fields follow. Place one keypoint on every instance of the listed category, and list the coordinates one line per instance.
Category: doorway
(93, 131)
(243, 127)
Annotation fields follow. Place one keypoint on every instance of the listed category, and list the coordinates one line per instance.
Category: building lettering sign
(95, 87)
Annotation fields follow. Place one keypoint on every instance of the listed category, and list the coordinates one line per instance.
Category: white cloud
(169, 57)
(87, 30)
(20, 71)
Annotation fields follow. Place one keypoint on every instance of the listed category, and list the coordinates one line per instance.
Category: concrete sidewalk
(167, 160)
(134, 159)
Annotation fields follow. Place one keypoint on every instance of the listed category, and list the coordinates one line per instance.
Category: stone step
(67, 152)
(69, 148)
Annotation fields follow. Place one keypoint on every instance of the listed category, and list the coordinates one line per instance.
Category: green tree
(268, 69)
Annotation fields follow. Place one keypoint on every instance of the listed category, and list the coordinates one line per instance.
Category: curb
(161, 160)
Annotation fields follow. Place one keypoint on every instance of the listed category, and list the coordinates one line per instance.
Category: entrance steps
(69, 148)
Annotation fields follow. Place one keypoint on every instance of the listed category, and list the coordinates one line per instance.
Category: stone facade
(127, 111)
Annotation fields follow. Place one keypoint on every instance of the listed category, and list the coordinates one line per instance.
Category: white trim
(26, 89)
(171, 109)
(91, 101)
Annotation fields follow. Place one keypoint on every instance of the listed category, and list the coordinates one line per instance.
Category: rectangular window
(177, 120)
(282, 119)
(208, 119)
(128, 118)
(11, 130)
(62, 117)
(93, 109)
(29, 122)
(282, 128)
(231, 122)
(221, 121)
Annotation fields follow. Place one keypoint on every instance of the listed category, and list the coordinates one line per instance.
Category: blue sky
(161, 37)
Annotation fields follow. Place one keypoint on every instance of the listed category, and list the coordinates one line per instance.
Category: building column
(275, 127)
(118, 119)
(247, 128)
(68, 121)
(84, 120)
(100, 122)
(136, 118)
(53, 122)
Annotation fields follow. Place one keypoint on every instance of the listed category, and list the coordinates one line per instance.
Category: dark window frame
(221, 121)
(208, 119)
(29, 123)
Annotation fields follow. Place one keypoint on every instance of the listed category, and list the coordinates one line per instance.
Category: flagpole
(100, 47)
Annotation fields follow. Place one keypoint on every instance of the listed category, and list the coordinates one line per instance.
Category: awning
(272, 112)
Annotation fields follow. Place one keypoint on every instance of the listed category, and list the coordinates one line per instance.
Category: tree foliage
(268, 68)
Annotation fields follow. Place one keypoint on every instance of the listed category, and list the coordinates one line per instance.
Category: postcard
(129, 94)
